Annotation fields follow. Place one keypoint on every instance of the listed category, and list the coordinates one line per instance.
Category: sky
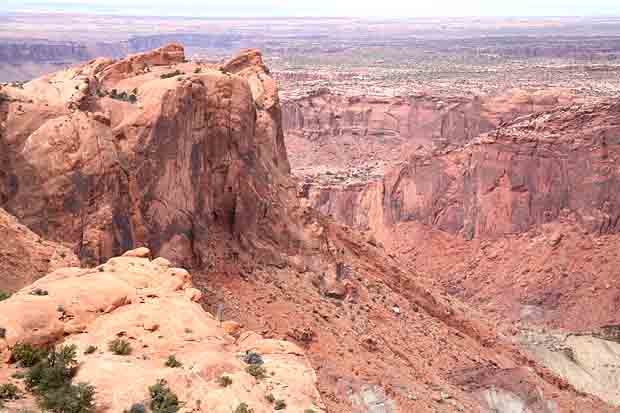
(324, 8)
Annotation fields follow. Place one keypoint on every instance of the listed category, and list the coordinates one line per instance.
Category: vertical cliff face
(197, 154)
(527, 173)
(338, 132)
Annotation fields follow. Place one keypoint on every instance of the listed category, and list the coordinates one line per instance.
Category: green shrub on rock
(163, 399)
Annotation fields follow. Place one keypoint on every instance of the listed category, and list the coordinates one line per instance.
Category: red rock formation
(333, 132)
(25, 256)
(197, 153)
(197, 171)
(529, 172)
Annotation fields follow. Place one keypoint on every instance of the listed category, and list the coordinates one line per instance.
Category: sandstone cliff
(532, 171)
(330, 132)
(196, 153)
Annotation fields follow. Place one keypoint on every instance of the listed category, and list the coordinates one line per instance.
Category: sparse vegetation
(123, 96)
(270, 398)
(243, 408)
(171, 74)
(27, 355)
(90, 349)
(224, 381)
(163, 400)
(280, 405)
(39, 292)
(197, 70)
(173, 362)
(8, 391)
(256, 371)
(19, 375)
(2, 332)
(120, 347)
(309, 411)
(253, 357)
(69, 399)
(3, 294)
(50, 380)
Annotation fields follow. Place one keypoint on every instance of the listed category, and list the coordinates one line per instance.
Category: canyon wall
(533, 171)
(337, 132)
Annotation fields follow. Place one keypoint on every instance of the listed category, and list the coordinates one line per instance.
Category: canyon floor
(389, 236)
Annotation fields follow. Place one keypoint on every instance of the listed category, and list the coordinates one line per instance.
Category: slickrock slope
(25, 256)
(196, 170)
(153, 307)
(328, 132)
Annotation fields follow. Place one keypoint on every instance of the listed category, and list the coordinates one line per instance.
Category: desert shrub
(309, 411)
(137, 408)
(257, 371)
(19, 375)
(90, 349)
(27, 355)
(39, 292)
(197, 70)
(120, 347)
(253, 357)
(69, 398)
(53, 371)
(270, 398)
(163, 400)
(123, 96)
(224, 381)
(173, 362)
(4, 295)
(280, 405)
(9, 391)
(50, 380)
(2, 332)
(171, 74)
(244, 408)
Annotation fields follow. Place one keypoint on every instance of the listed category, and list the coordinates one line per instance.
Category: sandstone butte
(196, 170)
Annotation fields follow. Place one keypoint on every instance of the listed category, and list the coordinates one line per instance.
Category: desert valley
(309, 215)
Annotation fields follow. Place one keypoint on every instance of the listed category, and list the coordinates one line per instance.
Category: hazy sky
(375, 8)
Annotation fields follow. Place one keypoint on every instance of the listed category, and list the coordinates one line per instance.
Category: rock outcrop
(25, 256)
(153, 307)
(197, 154)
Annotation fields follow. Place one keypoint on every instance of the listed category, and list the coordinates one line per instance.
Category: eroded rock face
(152, 306)
(530, 172)
(330, 132)
(25, 256)
(197, 154)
